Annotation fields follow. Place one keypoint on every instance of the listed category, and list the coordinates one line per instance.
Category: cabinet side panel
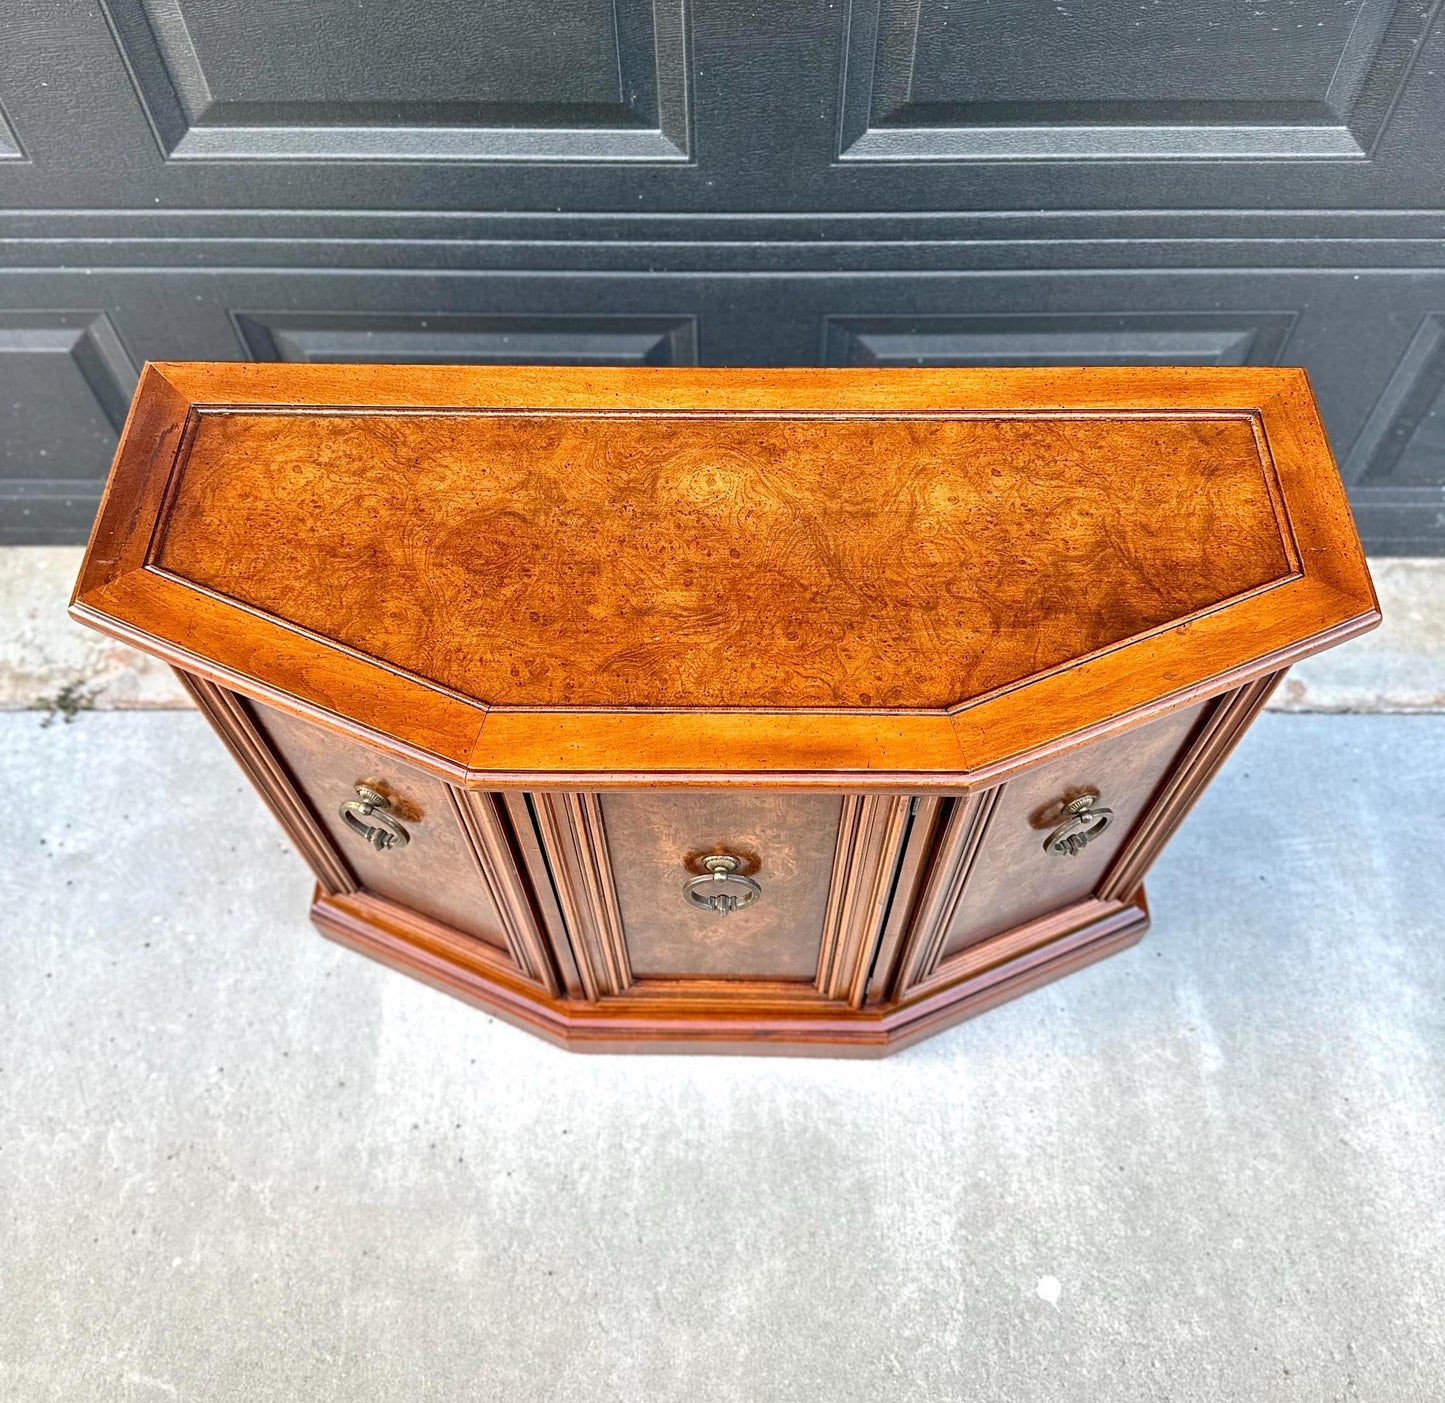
(1209, 748)
(231, 721)
(436, 873)
(1013, 879)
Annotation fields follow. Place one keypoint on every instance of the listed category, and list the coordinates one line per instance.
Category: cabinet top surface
(529, 570)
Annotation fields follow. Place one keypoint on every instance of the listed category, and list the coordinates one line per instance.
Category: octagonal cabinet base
(731, 710)
(1004, 968)
(844, 922)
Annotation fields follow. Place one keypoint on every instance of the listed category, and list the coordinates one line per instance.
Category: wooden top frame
(585, 577)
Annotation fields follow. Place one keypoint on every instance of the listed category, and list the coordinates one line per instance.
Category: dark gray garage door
(890, 182)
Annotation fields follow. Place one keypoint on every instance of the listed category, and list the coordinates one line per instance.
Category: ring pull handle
(724, 889)
(366, 816)
(1084, 819)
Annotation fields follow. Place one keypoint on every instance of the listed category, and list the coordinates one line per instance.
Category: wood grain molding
(574, 841)
(962, 837)
(486, 831)
(770, 1020)
(920, 850)
(870, 845)
(1210, 748)
(230, 720)
(1024, 958)
(536, 875)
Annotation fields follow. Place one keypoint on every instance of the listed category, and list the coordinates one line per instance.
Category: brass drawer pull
(365, 815)
(724, 889)
(1082, 825)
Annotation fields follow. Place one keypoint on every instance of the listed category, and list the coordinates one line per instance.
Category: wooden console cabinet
(727, 710)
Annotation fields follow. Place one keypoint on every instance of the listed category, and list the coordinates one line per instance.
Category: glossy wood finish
(893, 581)
(708, 1019)
(867, 633)
(723, 561)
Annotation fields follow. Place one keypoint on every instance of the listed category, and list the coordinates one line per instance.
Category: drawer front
(811, 875)
(438, 872)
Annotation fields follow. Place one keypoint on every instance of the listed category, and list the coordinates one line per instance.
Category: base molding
(715, 1019)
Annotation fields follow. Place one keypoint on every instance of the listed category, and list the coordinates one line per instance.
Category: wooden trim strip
(537, 875)
(870, 846)
(1167, 390)
(1037, 939)
(231, 721)
(914, 864)
(958, 852)
(486, 836)
(1210, 748)
(843, 846)
(574, 843)
(587, 818)
(1031, 956)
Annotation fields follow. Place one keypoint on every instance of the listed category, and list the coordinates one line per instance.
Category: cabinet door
(811, 876)
(456, 866)
(994, 870)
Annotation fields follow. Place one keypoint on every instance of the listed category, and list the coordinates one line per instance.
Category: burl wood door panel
(997, 840)
(825, 864)
(785, 842)
(437, 873)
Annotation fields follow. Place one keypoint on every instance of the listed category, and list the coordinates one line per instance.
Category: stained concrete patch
(237, 1162)
(1399, 667)
(50, 663)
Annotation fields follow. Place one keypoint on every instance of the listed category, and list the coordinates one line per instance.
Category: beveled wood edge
(437, 762)
(1035, 723)
(372, 703)
(1028, 943)
(1318, 507)
(143, 465)
(747, 741)
(470, 970)
(244, 385)
(1018, 960)
(458, 739)
(236, 728)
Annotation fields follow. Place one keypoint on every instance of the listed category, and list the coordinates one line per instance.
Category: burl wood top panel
(723, 562)
(590, 577)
